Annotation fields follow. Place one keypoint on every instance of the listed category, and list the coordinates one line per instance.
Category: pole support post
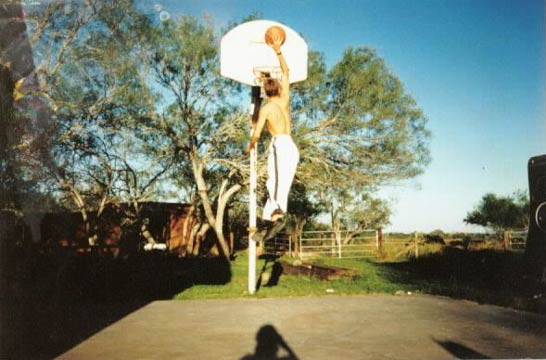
(256, 103)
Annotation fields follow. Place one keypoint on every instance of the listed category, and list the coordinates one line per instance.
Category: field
(485, 274)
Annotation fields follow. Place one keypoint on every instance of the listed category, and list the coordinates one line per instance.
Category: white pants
(282, 162)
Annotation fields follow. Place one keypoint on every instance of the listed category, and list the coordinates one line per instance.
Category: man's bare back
(277, 119)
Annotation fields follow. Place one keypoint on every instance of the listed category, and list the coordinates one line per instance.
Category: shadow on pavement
(268, 345)
(460, 351)
(50, 305)
(270, 273)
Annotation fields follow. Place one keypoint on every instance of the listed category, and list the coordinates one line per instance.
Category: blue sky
(475, 67)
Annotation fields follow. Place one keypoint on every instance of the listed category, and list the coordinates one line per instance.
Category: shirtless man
(283, 156)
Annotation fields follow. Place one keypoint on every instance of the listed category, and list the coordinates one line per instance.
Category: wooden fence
(368, 244)
(340, 244)
(515, 239)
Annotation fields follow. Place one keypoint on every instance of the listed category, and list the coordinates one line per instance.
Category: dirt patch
(321, 272)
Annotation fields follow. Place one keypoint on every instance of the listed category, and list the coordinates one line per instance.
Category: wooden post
(290, 245)
(300, 248)
(506, 239)
(379, 239)
(338, 239)
(416, 246)
(333, 243)
(231, 242)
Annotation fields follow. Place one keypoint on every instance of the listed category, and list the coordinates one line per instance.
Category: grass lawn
(485, 276)
(370, 279)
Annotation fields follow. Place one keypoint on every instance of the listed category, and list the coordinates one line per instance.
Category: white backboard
(243, 48)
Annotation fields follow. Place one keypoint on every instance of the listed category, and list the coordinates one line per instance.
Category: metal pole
(252, 224)
(252, 196)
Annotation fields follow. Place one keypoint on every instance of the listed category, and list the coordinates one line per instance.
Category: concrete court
(330, 327)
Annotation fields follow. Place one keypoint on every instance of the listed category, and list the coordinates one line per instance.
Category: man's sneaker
(258, 235)
(274, 229)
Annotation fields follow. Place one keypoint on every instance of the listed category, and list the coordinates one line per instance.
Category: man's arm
(258, 128)
(285, 83)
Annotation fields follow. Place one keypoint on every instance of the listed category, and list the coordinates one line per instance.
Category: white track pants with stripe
(282, 162)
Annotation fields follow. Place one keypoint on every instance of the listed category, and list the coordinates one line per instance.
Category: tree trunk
(215, 222)
(80, 204)
(192, 239)
(223, 199)
(350, 236)
(91, 229)
(296, 233)
(86, 226)
(199, 238)
(146, 234)
(185, 244)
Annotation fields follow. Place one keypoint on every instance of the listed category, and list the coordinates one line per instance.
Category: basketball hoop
(246, 57)
(244, 49)
(264, 72)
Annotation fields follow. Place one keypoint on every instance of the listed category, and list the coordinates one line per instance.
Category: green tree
(195, 123)
(89, 85)
(366, 213)
(303, 209)
(130, 90)
(19, 187)
(357, 129)
(501, 212)
(73, 148)
(355, 126)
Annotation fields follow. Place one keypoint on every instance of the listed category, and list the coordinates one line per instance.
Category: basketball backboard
(243, 53)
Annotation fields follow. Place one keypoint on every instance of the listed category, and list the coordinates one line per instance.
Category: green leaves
(360, 119)
(141, 95)
(357, 129)
(501, 212)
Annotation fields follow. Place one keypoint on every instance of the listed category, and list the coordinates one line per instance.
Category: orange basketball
(273, 32)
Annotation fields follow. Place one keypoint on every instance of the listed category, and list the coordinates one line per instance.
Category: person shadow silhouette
(276, 273)
(268, 345)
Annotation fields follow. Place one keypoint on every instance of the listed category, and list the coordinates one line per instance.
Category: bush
(434, 239)
(438, 232)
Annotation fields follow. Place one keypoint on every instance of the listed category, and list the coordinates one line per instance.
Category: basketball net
(264, 72)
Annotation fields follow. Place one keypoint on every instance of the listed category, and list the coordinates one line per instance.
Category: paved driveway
(334, 327)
